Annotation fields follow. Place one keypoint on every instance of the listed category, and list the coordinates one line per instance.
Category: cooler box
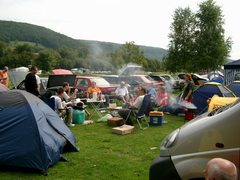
(124, 129)
(155, 118)
(115, 121)
(78, 116)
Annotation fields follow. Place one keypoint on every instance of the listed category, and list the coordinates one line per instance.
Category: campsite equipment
(217, 102)
(206, 91)
(122, 130)
(32, 134)
(231, 72)
(155, 118)
(115, 121)
(78, 116)
(235, 88)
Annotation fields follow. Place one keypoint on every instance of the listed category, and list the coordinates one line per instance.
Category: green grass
(104, 155)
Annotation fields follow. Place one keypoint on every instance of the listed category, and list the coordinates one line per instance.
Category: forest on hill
(22, 44)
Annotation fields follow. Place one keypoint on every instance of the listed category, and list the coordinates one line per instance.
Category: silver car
(185, 152)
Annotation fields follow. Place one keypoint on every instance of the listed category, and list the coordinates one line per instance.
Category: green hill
(16, 31)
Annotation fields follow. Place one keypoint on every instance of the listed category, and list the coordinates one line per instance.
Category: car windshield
(100, 82)
(223, 108)
(166, 77)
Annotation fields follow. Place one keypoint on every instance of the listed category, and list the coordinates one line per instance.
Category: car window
(100, 81)
(82, 83)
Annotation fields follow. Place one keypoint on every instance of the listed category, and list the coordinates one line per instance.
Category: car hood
(58, 80)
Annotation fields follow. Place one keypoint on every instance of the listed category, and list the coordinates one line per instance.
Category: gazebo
(231, 72)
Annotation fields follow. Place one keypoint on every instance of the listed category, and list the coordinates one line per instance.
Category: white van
(185, 152)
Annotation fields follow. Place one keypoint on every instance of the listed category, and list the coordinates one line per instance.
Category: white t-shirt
(58, 103)
(38, 79)
(65, 96)
(138, 102)
(121, 91)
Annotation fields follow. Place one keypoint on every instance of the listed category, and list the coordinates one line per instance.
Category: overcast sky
(146, 22)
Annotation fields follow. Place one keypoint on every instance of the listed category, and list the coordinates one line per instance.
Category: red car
(84, 82)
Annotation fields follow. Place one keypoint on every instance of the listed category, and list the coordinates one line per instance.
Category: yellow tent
(217, 102)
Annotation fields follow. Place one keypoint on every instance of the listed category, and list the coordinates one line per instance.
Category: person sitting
(61, 108)
(220, 169)
(94, 92)
(66, 95)
(135, 106)
(122, 92)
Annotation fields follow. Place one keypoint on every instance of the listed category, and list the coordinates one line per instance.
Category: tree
(181, 45)
(47, 59)
(212, 48)
(129, 53)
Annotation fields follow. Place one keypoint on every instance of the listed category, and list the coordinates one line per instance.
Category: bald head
(220, 169)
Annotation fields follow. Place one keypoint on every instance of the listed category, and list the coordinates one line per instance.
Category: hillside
(16, 31)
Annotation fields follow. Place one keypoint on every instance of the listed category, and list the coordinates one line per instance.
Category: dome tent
(235, 87)
(206, 91)
(32, 134)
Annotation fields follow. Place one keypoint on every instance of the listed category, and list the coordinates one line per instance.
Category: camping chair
(143, 112)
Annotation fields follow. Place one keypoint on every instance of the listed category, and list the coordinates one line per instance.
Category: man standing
(4, 76)
(32, 81)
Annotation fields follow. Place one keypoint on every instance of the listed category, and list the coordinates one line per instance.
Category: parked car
(185, 152)
(112, 79)
(84, 82)
(158, 78)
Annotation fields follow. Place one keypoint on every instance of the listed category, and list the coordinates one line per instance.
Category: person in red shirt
(162, 97)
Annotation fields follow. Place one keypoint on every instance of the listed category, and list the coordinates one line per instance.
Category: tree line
(16, 54)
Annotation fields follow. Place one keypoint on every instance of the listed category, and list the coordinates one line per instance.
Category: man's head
(122, 84)
(60, 92)
(34, 69)
(142, 90)
(65, 86)
(220, 169)
(93, 84)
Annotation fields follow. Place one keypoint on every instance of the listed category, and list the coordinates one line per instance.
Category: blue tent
(235, 88)
(31, 133)
(206, 91)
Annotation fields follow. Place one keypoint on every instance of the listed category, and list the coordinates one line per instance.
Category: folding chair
(141, 115)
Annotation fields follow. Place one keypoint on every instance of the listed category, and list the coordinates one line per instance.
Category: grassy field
(104, 155)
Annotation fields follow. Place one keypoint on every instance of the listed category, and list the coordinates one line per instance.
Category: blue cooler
(78, 116)
(155, 118)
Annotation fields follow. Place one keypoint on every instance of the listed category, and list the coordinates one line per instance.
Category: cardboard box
(124, 129)
(115, 121)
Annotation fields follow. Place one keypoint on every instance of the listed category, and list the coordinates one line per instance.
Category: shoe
(70, 125)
